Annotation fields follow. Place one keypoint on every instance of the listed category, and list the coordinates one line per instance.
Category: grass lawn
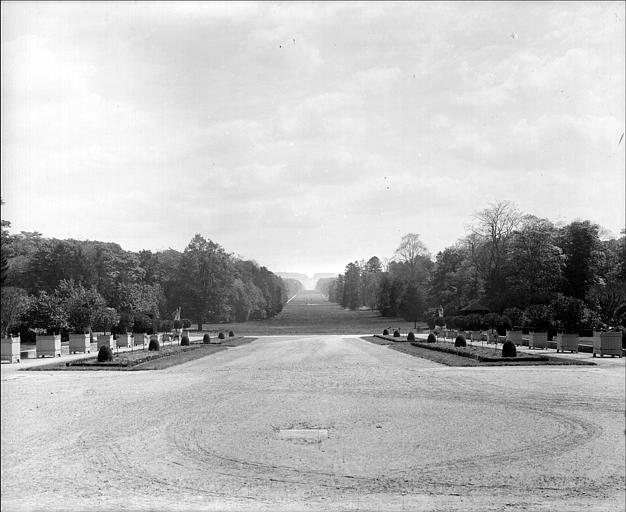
(311, 313)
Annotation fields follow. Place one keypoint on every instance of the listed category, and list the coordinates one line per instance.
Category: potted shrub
(607, 343)
(539, 317)
(568, 315)
(492, 320)
(10, 349)
(46, 314)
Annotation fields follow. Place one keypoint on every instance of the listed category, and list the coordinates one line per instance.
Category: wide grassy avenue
(310, 313)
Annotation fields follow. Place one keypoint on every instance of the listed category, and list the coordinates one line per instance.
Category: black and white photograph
(313, 256)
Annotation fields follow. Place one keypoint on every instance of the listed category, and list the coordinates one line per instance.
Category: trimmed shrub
(432, 338)
(154, 345)
(385, 332)
(206, 338)
(231, 334)
(410, 337)
(105, 354)
(509, 349)
(184, 341)
(178, 324)
(221, 335)
(396, 334)
(460, 341)
(186, 323)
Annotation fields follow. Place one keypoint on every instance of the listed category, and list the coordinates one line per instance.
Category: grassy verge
(140, 360)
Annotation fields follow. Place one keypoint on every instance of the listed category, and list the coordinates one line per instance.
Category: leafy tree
(539, 317)
(569, 312)
(14, 304)
(581, 246)
(515, 315)
(82, 305)
(534, 263)
(412, 305)
(352, 286)
(413, 253)
(45, 313)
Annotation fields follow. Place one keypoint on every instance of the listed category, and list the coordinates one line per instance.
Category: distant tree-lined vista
(525, 270)
(53, 285)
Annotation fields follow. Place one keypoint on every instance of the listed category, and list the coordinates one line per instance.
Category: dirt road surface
(399, 433)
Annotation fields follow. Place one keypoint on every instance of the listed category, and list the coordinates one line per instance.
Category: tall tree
(582, 249)
(494, 227)
(413, 253)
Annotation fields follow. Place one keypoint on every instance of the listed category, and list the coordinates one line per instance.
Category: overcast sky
(307, 135)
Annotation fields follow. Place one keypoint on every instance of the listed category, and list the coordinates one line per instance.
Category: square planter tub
(139, 338)
(48, 346)
(515, 337)
(10, 349)
(106, 339)
(609, 343)
(124, 340)
(567, 342)
(79, 343)
(537, 340)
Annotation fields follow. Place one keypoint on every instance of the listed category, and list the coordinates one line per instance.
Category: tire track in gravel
(188, 442)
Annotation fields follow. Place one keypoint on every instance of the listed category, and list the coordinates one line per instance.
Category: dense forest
(525, 270)
(55, 285)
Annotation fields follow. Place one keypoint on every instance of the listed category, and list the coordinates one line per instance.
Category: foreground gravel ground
(403, 434)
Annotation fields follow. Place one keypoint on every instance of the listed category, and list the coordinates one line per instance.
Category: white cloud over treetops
(307, 135)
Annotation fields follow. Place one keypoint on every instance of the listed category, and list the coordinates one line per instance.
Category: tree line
(53, 285)
(526, 270)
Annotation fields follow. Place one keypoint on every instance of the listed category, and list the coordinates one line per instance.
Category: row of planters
(604, 343)
(105, 352)
(50, 345)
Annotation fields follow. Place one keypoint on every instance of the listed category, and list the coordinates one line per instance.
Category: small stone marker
(311, 435)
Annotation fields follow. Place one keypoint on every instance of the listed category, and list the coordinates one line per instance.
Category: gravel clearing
(401, 433)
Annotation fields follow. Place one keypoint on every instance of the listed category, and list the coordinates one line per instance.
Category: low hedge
(479, 353)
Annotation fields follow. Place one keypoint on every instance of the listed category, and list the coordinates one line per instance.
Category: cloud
(270, 126)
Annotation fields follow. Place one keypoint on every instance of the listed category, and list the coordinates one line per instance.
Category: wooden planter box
(567, 342)
(609, 343)
(537, 340)
(79, 343)
(139, 338)
(106, 339)
(124, 340)
(48, 346)
(514, 336)
(10, 349)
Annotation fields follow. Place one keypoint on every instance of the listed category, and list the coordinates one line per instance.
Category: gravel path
(403, 433)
